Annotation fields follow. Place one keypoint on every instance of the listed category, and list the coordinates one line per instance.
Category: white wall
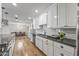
(14, 27)
(17, 27)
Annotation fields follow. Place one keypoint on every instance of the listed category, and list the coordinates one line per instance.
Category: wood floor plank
(28, 49)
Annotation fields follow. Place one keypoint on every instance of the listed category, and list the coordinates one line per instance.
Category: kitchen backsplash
(51, 32)
(70, 33)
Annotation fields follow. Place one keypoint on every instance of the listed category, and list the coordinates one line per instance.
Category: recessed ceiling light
(14, 4)
(29, 18)
(36, 11)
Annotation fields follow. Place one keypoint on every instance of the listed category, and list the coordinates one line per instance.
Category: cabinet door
(45, 46)
(50, 48)
(40, 20)
(71, 14)
(40, 43)
(44, 18)
(37, 22)
(37, 42)
(61, 52)
(34, 23)
(52, 16)
(62, 15)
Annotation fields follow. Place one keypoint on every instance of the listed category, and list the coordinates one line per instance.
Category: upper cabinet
(40, 20)
(62, 15)
(52, 16)
(36, 22)
(43, 19)
(71, 14)
(67, 15)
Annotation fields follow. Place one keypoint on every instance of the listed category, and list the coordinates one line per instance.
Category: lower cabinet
(39, 42)
(50, 48)
(63, 50)
(53, 48)
(45, 46)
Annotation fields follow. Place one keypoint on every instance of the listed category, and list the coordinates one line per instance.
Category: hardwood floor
(23, 47)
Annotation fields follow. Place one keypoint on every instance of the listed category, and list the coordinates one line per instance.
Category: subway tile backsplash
(70, 33)
(51, 32)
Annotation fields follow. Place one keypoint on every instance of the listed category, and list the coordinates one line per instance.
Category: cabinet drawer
(45, 46)
(40, 45)
(60, 52)
(64, 47)
(50, 51)
(37, 42)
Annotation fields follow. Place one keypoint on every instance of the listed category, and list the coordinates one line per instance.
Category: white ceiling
(24, 10)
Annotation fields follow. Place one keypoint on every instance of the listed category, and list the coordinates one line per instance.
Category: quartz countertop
(66, 41)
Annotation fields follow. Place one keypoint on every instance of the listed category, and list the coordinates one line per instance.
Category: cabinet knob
(62, 54)
(62, 47)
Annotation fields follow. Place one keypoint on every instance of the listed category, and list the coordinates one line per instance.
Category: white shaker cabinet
(45, 46)
(52, 16)
(63, 50)
(71, 14)
(67, 14)
(36, 22)
(50, 48)
(39, 42)
(43, 19)
(40, 19)
(62, 15)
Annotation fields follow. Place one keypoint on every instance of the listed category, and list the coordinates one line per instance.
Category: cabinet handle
(62, 47)
(62, 54)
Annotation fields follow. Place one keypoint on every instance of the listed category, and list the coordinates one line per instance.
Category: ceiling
(24, 10)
